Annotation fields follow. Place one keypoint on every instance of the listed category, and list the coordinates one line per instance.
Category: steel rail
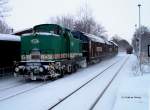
(70, 94)
(108, 85)
(44, 83)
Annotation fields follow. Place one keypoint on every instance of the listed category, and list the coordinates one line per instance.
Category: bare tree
(3, 8)
(86, 23)
(99, 30)
(116, 38)
(122, 43)
(4, 28)
(83, 22)
(66, 21)
(145, 34)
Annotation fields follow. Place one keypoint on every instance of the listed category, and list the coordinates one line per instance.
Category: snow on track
(9, 82)
(108, 100)
(9, 93)
(47, 95)
(82, 86)
(134, 92)
(84, 99)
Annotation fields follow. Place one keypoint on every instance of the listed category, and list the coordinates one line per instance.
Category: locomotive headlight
(16, 69)
(41, 69)
(21, 67)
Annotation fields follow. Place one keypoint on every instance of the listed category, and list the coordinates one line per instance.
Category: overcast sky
(117, 16)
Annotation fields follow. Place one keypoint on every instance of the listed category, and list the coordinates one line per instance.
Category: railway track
(44, 83)
(10, 87)
(16, 84)
(23, 89)
(108, 85)
(82, 86)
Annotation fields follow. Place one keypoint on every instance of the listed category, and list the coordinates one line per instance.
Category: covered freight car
(93, 48)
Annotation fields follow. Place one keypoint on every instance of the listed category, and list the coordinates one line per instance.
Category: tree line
(83, 21)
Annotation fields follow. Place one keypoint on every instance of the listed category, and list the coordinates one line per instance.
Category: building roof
(9, 37)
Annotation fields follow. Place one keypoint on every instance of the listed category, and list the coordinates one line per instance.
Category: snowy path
(47, 95)
(18, 89)
(9, 82)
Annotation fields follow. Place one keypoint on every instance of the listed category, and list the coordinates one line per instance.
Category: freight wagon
(95, 48)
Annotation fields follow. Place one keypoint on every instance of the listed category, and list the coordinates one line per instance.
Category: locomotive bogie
(51, 70)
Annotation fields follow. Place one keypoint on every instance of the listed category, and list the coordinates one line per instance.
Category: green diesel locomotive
(49, 51)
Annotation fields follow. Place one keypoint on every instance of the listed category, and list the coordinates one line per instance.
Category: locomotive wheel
(45, 78)
(75, 68)
(27, 79)
(62, 74)
(71, 70)
(54, 78)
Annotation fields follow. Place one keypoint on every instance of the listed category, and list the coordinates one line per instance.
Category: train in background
(51, 51)
(10, 50)
(129, 50)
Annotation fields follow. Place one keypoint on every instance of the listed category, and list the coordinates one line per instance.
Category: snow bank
(8, 37)
(145, 68)
(134, 91)
(134, 94)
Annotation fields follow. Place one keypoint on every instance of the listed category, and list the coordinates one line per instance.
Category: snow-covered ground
(85, 97)
(134, 91)
(43, 97)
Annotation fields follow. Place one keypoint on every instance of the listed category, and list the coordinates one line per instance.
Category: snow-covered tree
(86, 23)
